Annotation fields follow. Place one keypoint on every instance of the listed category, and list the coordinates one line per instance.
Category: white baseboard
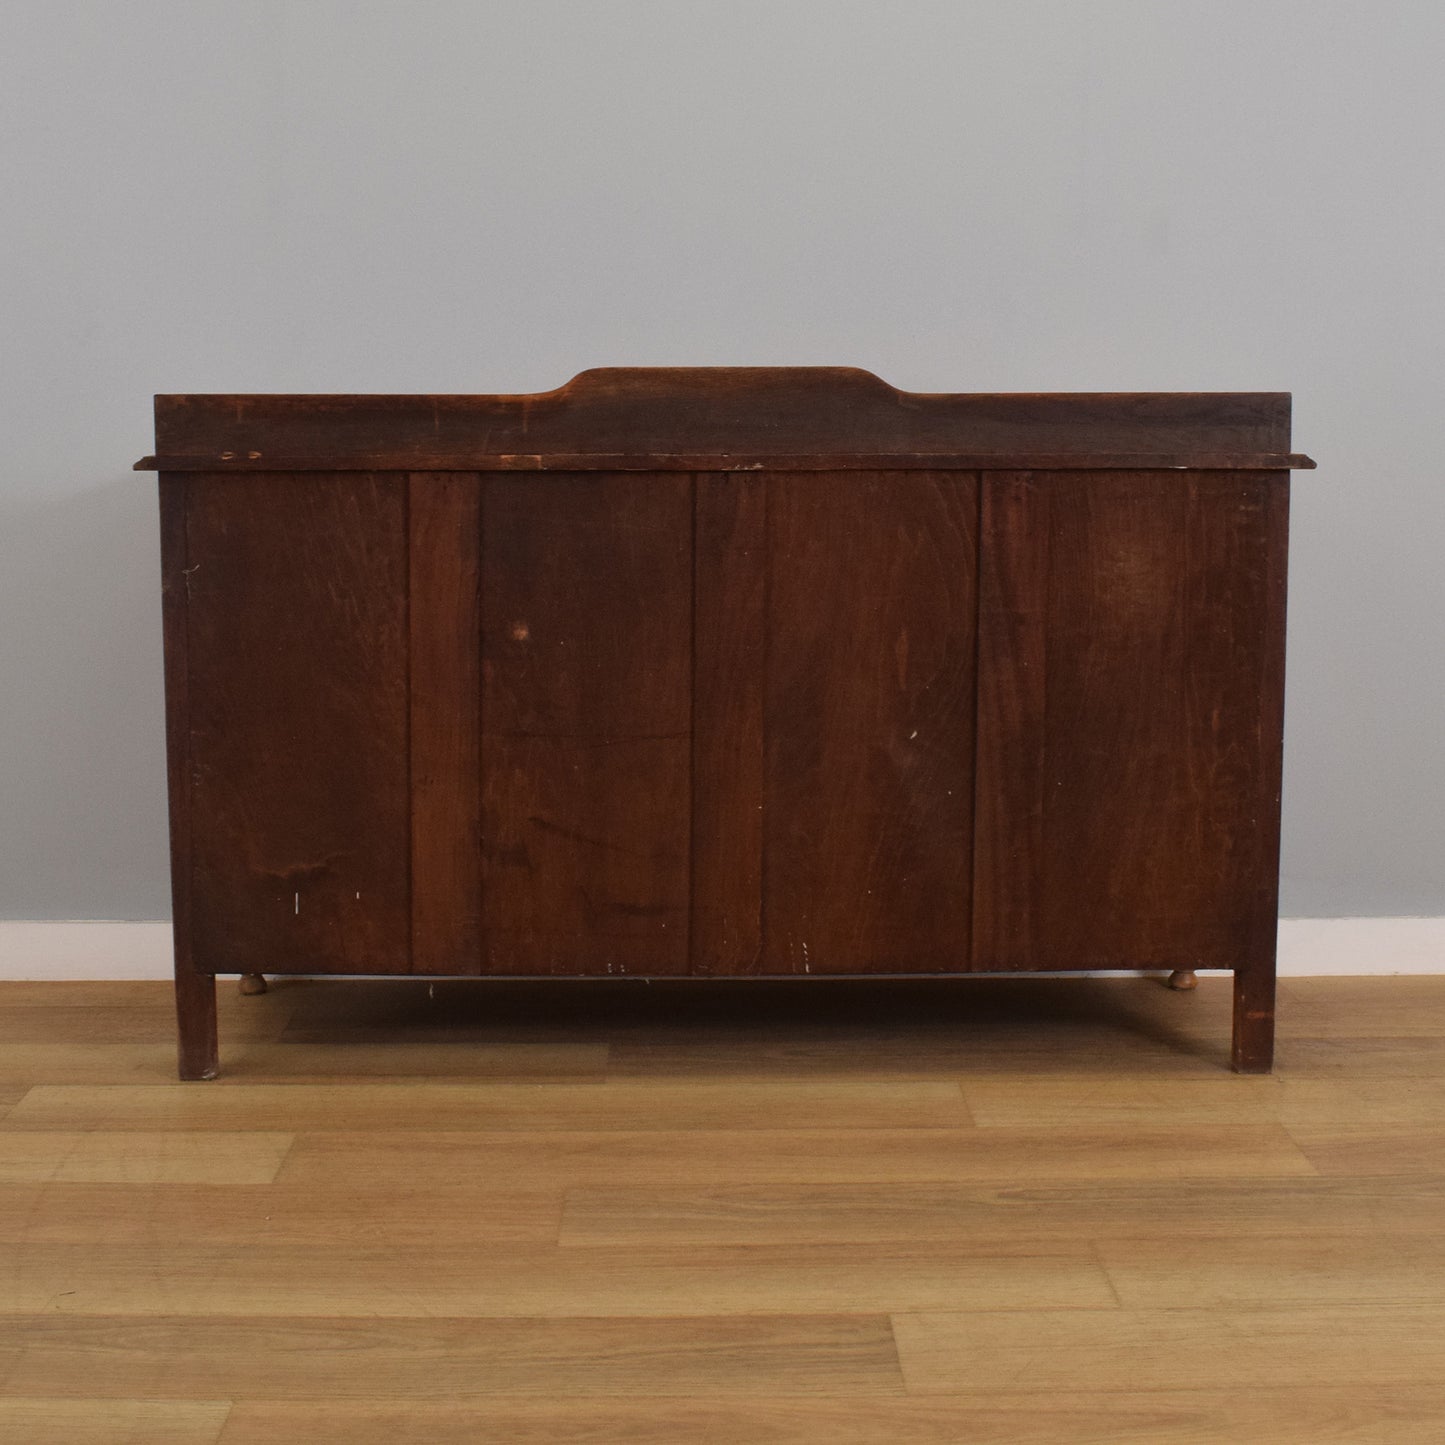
(85, 950)
(1308, 947)
(1316, 947)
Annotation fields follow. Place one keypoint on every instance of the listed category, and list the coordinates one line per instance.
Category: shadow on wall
(82, 747)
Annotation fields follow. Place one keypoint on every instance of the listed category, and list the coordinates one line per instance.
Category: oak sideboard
(724, 672)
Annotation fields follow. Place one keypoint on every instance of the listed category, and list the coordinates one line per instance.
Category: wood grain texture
(1254, 979)
(768, 410)
(324, 1060)
(317, 1059)
(439, 1359)
(1369, 1058)
(1169, 1215)
(196, 1033)
(722, 719)
(1365, 1010)
(112, 1422)
(830, 1104)
(445, 693)
(297, 687)
(1097, 1259)
(1010, 804)
(577, 1159)
(869, 723)
(541, 463)
(97, 1063)
(512, 1280)
(1356, 1150)
(262, 1216)
(1010, 1101)
(730, 570)
(195, 995)
(83, 994)
(1128, 785)
(117, 1157)
(1137, 1349)
(1404, 1415)
(586, 717)
(1226, 1272)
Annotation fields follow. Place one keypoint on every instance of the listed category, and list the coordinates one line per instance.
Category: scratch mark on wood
(549, 827)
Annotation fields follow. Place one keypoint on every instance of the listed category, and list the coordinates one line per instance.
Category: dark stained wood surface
(1254, 986)
(869, 723)
(730, 570)
(854, 697)
(445, 694)
(297, 641)
(196, 1036)
(743, 461)
(586, 723)
(1009, 802)
(1126, 786)
(841, 416)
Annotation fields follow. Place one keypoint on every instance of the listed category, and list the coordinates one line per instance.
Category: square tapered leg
(196, 1019)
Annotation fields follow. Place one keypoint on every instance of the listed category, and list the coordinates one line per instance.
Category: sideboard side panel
(172, 490)
(869, 761)
(297, 659)
(586, 722)
(1128, 784)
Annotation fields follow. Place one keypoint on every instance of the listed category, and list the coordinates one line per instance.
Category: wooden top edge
(641, 382)
(731, 462)
(749, 412)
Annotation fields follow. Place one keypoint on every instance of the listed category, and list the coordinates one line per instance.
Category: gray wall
(290, 195)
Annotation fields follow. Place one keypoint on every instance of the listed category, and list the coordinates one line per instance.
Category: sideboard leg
(1253, 1020)
(196, 1018)
(1183, 979)
(251, 984)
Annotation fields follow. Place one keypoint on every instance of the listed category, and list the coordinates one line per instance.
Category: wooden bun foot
(1183, 979)
(252, 983)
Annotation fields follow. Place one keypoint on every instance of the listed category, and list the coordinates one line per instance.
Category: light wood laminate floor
(1021, 1210)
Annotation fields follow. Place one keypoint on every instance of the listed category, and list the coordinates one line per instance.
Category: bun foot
(252, 983)
(1183, 979)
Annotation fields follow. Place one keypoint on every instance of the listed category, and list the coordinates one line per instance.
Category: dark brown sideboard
(724, 671)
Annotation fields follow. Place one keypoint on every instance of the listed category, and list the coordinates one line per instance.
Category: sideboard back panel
(444, 535)
(586, 719)
(730, 579)
(296, 628)
(724, 671)
(868, 721)
(1131, 623)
